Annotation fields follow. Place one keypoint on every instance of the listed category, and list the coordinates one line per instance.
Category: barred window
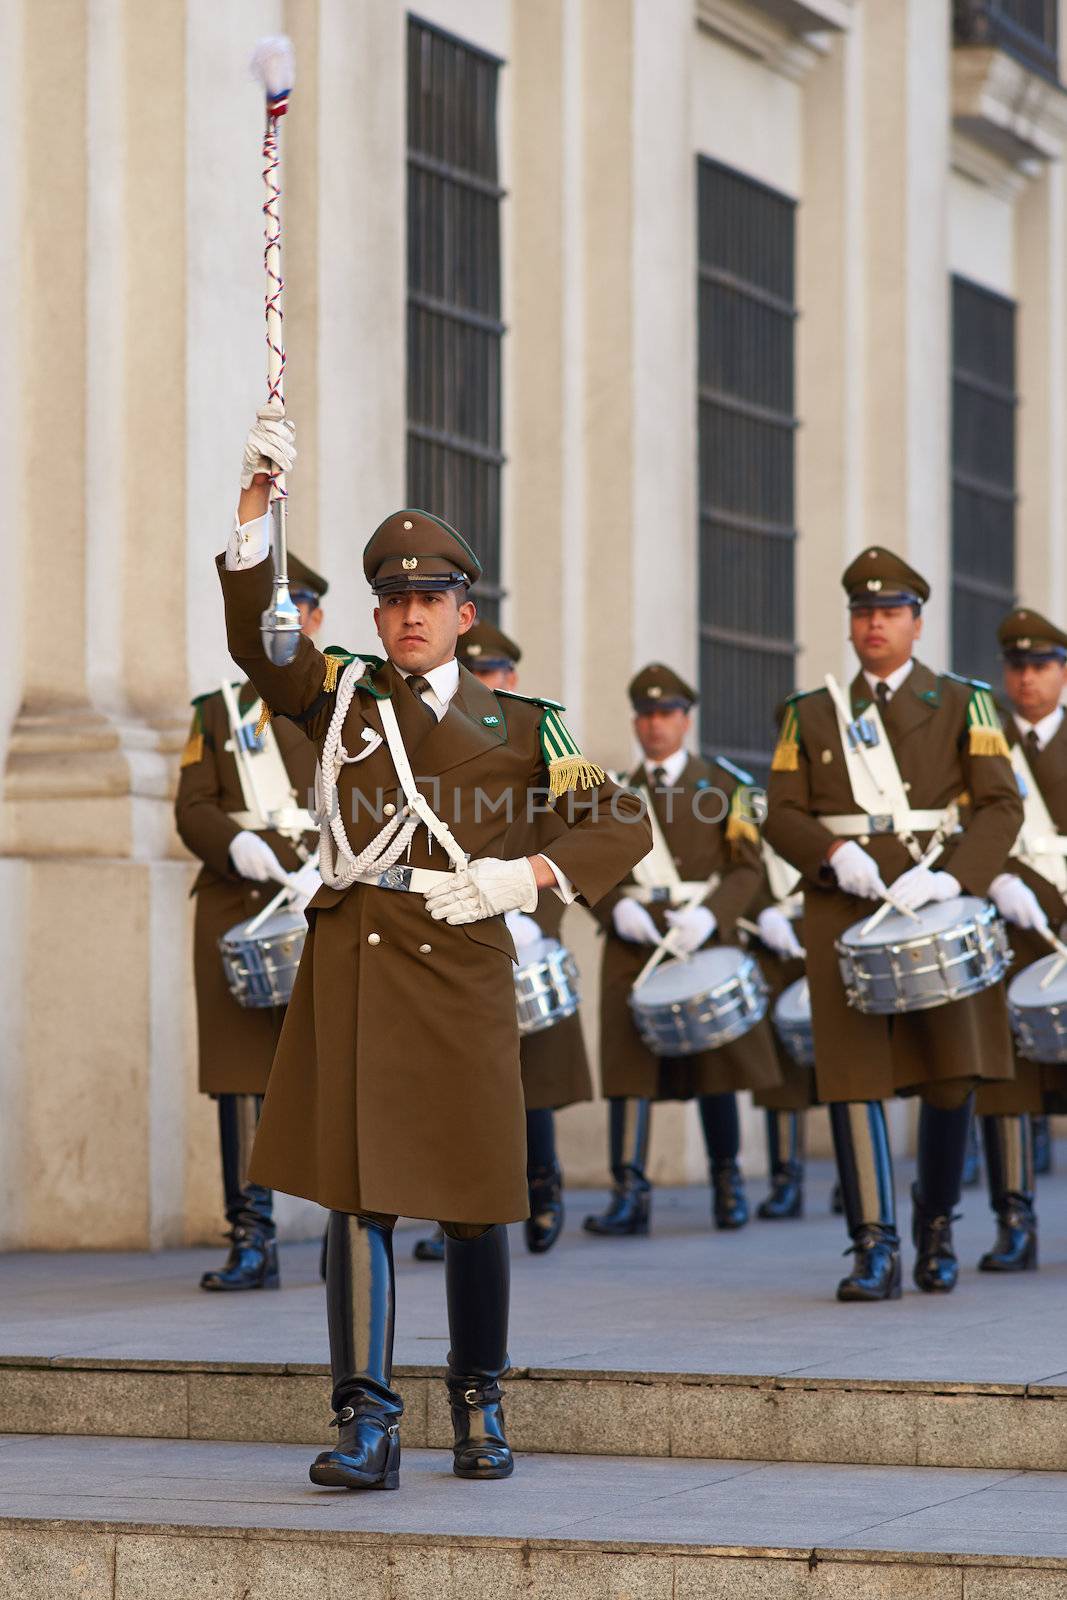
(746, 429)
(454, 332)
(983, 474)
(1025, 29)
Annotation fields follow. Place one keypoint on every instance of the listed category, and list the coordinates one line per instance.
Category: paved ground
(684, 1300)
(618, 1500)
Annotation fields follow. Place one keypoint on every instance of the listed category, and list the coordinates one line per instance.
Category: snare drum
(688, 1006)
(261, 967)
(546, 986)
(1039, 1016)
(956, 948)
(792, 1023)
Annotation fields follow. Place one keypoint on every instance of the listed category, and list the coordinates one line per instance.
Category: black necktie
(881, 694)
(659, 777)
(419, 686)
(1033, 743)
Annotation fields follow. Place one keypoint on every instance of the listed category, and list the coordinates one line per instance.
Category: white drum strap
(1039, 844)
(657, 870)
(873, 774)
(269, 796)
(781, 877)
(339, 866)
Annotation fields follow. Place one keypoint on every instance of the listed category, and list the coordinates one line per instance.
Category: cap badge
(874, 584)
(409, 563)
(654, 692)
(1022, 644)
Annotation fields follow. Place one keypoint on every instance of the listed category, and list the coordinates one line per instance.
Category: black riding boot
(545, 1180)
(785, 1151)
(942, 1149)
(477, 1289)
(972, 1161)
(628, 1210)
(253, 1259)
(722, 1138)
(865, 1168)
(1042, 1139)
(431, 1247)
(360, 1310)
(1010, 1164)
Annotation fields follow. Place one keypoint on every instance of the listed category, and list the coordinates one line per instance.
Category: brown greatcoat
(236, 1045)
(861, 1057)
(1036, 1087)
(700, 847)
(555, 1067)
(396, 1085)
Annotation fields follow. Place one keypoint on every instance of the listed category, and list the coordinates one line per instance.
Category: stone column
(906, 412)
(1041, 564)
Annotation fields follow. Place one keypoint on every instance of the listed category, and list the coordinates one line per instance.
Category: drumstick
(664, 948)
(1061, 950)
(932, 851)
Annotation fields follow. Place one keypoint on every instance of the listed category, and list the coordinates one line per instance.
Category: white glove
(857, 872)
(523, 929)
(691, 926)
(631, 921)
(271, 443)
(305, 885)
(918, 886)
(1017, 902)
(486, 889)
(776, 932)
(253, 858)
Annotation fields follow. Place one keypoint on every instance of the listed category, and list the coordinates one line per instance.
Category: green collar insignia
(491, 722)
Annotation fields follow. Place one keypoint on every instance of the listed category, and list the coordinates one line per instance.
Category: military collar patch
(931, 697)
(491, 722)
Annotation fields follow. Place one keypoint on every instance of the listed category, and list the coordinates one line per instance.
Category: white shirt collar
(673, 767)
(1046, 729)
(894, 679)
(443, 681)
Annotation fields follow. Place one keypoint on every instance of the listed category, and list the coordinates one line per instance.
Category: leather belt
(292, 820)
(405, 880)
(856, 825)
(667, 894)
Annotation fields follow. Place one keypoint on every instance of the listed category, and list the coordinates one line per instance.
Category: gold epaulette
(265, 715)
(787, 750)
(567, 767)
(741, 824)
(194, 745)
(985, 736)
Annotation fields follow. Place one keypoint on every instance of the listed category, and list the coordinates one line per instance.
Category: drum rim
(986, 914)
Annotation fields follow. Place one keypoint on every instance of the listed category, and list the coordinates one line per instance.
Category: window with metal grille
(746, 428)
(1025, 29)
(983, 474)
(454, 332)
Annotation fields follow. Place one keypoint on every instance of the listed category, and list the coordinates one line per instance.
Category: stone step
(771, 1418)
(109, 1519)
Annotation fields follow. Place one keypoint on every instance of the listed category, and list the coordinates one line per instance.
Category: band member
(1030, 896)
(920, 742)
(555, 1070)
(223, 814)
(781, 957)
(705, 838)
(396, 1085)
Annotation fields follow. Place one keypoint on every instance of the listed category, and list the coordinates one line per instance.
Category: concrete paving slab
(686, 1300)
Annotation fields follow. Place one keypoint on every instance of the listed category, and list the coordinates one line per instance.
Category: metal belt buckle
(883, 823)
(396, 878)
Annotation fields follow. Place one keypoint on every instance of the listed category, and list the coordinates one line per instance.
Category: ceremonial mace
(272, 65)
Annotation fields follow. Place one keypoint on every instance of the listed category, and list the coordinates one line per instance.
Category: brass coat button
(389, 809)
